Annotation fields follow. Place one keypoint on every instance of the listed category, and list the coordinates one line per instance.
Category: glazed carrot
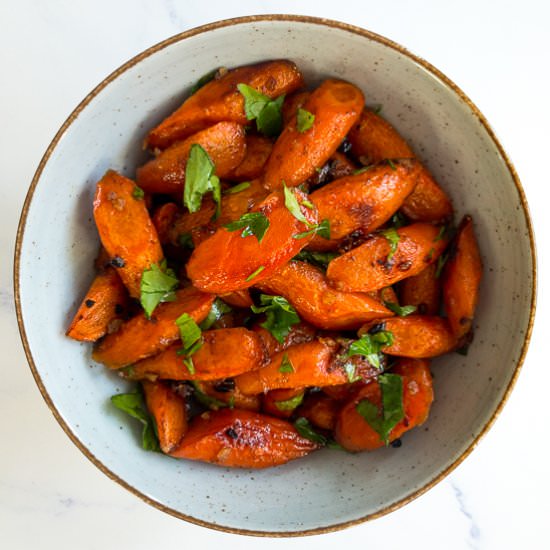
(344, 392)
(354, 433)
(419, 336)
(364, 201)
(163, 219)
(461, 279)
(239, 298)
(321, 410)
(106, 300)
(125, 229)
(423, 291)
(282, 403)
(224, 142)
(336, 105)
(228, 262)
(220, 100)
(373, 265)
(340, 165)
(298, 334)
(224, 353)
(291, 104)
(168, 410)
(307, 289)
(387, 294)
(216, 394)
(242, 439)
(258, 149)
(141, 337)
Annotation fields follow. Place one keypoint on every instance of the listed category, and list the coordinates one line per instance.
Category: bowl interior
(328, 488)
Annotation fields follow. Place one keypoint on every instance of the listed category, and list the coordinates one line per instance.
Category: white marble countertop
(52, 54)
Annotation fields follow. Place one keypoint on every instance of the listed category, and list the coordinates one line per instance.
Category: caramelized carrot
(239, 298)
(306, 288)
(224, 142)
(282, 403)
(228, 262)
(336, 105)
(321, 410)
(364, 201)
(106, 299)
(418, 336)
(422, 290)
(220, 100)
(292, 103)
(163, 219)
(258, 149)
(354, 433)
(387, 294)
(242, 439)
(168, 410)
(125, 229)
(461, 279)
(298, 334)
(224, 353)
(373, 265)
(221, 393)
(141, 337)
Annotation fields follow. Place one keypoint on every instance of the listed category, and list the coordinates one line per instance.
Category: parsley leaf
(391, 388)
(362, 170)
(293, 206)
(391, 164)
(370, 346)
(205, 79)
(252, 223)
(398, 220)
(132, 404)
(191, 337)
(304, 120)
(305, 429)
(286, 364)
(351, 372)
(290, 404)
(320, 259)
(138, 193)
(255, 273)
(266, 111)
(280, 315)
(322, 229)
(393, 238)
(237, 188)
(200, 179)
(219, 308)
(401, 311)
(206, 400)
(441, 261)
(157, 285)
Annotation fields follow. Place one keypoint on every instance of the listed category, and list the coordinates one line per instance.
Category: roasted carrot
(217, 394)
(163, 220)
(227, 261)
(387, 294)
(374, 264)
(354, 433)
(223, 353)
(239, 298)
(224, 142)
(242, 439)
(306, 288)
(141, 337)
(364, 201)
(220, 100)
(258, 149)
(298, 334)
(419, 336)
(336, 105)
(461, 279)
(168, 410)
(292, 103)
(106, 300)
(282, 403)
(321, 410)
(422, 290)
(125, 229)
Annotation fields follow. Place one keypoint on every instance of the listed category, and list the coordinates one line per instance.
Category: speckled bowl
(329, 489)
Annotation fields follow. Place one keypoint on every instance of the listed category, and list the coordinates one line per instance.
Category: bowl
(327, 490)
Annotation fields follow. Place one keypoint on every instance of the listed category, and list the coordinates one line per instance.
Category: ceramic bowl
(330, 489)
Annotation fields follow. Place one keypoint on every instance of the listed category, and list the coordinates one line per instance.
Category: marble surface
(52, 54)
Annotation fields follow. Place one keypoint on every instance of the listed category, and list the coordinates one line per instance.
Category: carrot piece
(292, 103)
(340, 165)
(387, 294)
(125, 229)
(258, 149)
(344, 392)
(461, 279)
(298, 334)
(220, 100)
(168, 410)
(106, 300)
(141, 337)
(282, 403)
(225, 393)
(321, 410)
(224, 142)
(163, 219)
(364, 201)
(224, 353)
(239, 298)
(242, 439)
(373, 265)
(307, 289)
(228, 262)
(354, 433)
(422, 290)
(418, 336)
(336, 105)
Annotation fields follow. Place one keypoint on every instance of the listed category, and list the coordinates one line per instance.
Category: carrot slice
(224, 142)
(336, 105)
(163, 219)
(321, 410)
(364, 201)
(258, 149)
(292, 103)
(461, 279)
(239, 298)
(298, 334)
(282, 403)
(242, 439)
(141, 337)
(307, 289)
(220, 100)
(224, 353)
(418, 336)
(354, 433)
(221, 393)
(106, 300)
(168, 410)
(125, 229)
(423, 291)
(373, 265)
(228, 262)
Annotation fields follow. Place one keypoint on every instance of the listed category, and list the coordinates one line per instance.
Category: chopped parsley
(280, 315)
(305, 429)
(255, 273)
(218, 309)
(392, 236)
(401, 311)
(293, 206)
(237, 188)
(252, 223)
(191, 337)
(205, 79)
(290, 404)
(370, 346)
(200, 179)
(158, 284)
(319, 259)
(138, 193)
(322, 229)
(304, 120)
(286, 364)
(266, 111)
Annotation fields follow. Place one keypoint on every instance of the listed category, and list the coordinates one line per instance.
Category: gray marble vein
(474, 534)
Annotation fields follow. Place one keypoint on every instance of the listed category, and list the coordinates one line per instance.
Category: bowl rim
(204, 29)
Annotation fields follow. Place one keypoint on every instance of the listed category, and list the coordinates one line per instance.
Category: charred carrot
(422, 291)
(282, 403)
(163, 220)
(258, 149)
(321, 410)
(217, 394)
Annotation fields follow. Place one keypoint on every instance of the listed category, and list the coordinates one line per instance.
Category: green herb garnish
(286, 364)
(401, 311)
(441, 261)
(255, 273)
(237, 188)
(392, 236)
(398, 220)
(305, 429)
(280, 315)
(370, 346)
(185, 240)
(138, 193)
(205, 79)
(320, 259)
(391, 164)
(207, 400)
(263, 109)
(252, 223)
(293, 206)
(304, 120)
(191, 337)
(157, 285)
(218, 309)
(362, 170)
(322, 229)
(290, 404)
(351, 372)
